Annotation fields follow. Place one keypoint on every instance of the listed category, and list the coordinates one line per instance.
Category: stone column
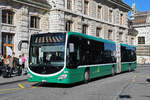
(0, 30)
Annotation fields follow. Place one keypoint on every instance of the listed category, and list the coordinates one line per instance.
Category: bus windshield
(47, 53)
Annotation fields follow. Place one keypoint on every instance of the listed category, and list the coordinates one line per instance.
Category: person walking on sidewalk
(20, 66)
(1, 63)
(23, 63)
(10, 65)
(14, 63)
(1, 57)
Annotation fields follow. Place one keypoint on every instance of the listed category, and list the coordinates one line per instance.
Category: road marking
(9, 89)
(34, 87)
(21, 86)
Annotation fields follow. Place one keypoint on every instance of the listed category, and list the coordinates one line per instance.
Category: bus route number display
(52, 48)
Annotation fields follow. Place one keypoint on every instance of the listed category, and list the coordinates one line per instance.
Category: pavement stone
(13, 79)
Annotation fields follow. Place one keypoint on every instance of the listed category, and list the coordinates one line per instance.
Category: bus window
(128, 54)
(73, 53)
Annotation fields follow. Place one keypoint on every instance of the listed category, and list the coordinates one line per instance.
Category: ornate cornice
(121, 4)
(34, 3)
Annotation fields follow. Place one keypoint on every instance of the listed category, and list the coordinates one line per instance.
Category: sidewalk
(141, 65)
(14, 79)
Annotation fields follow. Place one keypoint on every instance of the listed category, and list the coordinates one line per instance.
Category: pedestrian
(1, 58)
(10, 65)
(13, 54)
(1, 63)
(20, 66)
(14, 62)
(23, 63)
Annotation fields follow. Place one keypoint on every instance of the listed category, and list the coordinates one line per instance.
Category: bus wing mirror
(20, 44)
(71, 47)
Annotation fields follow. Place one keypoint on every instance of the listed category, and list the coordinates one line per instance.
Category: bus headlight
(62, 76)
(30, 76)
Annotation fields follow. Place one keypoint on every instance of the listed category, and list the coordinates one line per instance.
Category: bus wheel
(86, 76)
(113, 71)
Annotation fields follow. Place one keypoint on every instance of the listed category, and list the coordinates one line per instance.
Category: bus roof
(126, 45)
(91, 37)
(85, 36)
(39, 34)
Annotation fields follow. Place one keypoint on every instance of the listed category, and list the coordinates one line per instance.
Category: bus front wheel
(86, 76)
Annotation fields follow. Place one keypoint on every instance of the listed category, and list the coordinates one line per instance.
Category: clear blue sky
(141, 5)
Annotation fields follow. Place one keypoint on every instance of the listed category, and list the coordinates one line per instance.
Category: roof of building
(141, 18)
(39, 3)
(122, 3)
(143, 13)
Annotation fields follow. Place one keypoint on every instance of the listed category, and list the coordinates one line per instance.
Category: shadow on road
(148, 80)
(125, 97)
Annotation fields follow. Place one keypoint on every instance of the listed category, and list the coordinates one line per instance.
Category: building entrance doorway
(7, 45)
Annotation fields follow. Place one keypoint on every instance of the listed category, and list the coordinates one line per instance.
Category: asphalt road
(126, 86)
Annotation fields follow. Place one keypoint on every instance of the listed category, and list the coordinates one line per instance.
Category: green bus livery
(69, 57)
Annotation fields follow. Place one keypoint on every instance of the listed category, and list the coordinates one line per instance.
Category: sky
(141, 5)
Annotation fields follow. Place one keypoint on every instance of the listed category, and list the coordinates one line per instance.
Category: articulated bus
(71, 57)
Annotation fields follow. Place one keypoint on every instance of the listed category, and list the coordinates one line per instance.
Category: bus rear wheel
(86, 76)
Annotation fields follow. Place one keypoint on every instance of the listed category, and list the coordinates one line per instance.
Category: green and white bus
(71, 57)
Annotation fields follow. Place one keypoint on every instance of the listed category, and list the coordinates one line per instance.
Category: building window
(141, 40)
(99, 12)
(120, 37)
(7, 16)
(84, 29)
(121, 19)
(7, 38)
(69, 4)
(69, 25)
(34, 22)
(86, 4)
(110, 15)
(109, 34)
(98, 32)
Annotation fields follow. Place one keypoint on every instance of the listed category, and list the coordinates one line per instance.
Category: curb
(5, 83)
(145, 65)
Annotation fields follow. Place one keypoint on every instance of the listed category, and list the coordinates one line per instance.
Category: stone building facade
(141, 22)
(20, 19)
(107, 19)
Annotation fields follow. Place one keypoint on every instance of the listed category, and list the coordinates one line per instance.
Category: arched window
(7, 16)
